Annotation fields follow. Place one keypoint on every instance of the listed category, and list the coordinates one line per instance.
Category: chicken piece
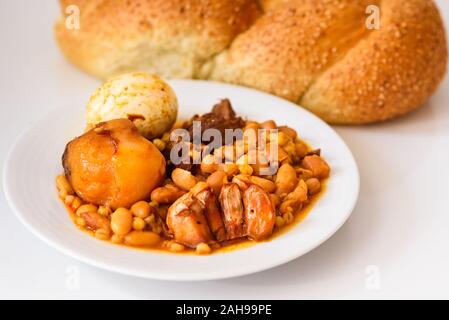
(209, 202)
(113, 165)
(232, 207)
(317, 165)
(260, 214)
(187, 223)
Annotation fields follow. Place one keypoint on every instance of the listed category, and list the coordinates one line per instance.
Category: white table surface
(395, 245)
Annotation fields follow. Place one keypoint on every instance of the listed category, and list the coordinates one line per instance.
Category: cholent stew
(139, 178)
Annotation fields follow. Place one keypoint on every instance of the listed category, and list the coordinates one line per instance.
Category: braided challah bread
(317, 53)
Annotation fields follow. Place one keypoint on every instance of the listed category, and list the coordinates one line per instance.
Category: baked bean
(178, 124)
(317, 165)
(80, 221)
(246, 169)
(62, 194)
(166, 137)
(241, 184)
(251, 125)
(288, 217)
(301, 149)
(219, 155)
(104, 211)
(293, 201)
(69, 199)
(117, 239)
(160, 144)
(243, 165)
(86, 208)
(290, 148)
(76, 203)
(313, 186)
(142, 238)
(95, 221)
(138, 223)
(304, 174)
(200, 186)
(203, 248)
(286, 179)
(265, 184)
(268, 125)
(289, 132)
(166, 194)
(282, 155)
(283, 139)
(216, 180)
(121, 221)
(103, 234)
(208, 164)
(175, 247)
(63, 184)
(141, 209)
(183, 179)
(229, 168)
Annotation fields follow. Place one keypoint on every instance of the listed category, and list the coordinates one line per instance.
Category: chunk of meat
(209, 202)
(224, 110)
(187, 223)
(232, 207)
(260, 214)
(221, 118)
(320, 169)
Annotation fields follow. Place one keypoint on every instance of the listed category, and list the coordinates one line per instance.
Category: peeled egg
(146, 100)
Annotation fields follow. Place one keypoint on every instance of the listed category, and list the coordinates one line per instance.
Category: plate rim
(173, 277)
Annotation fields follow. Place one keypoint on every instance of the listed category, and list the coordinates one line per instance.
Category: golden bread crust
(317, 53)
(173, 38)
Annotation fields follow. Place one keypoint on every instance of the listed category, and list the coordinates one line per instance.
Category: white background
(395, 245)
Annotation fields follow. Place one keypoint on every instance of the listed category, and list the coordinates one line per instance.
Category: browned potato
(113, 165)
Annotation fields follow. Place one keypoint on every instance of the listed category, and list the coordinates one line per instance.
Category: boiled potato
(146, 100)
(113, 165)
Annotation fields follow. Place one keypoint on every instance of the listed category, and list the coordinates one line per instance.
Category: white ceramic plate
(35, 160)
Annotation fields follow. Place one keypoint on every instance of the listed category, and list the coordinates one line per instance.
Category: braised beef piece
(224, 110)
(221, 117)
